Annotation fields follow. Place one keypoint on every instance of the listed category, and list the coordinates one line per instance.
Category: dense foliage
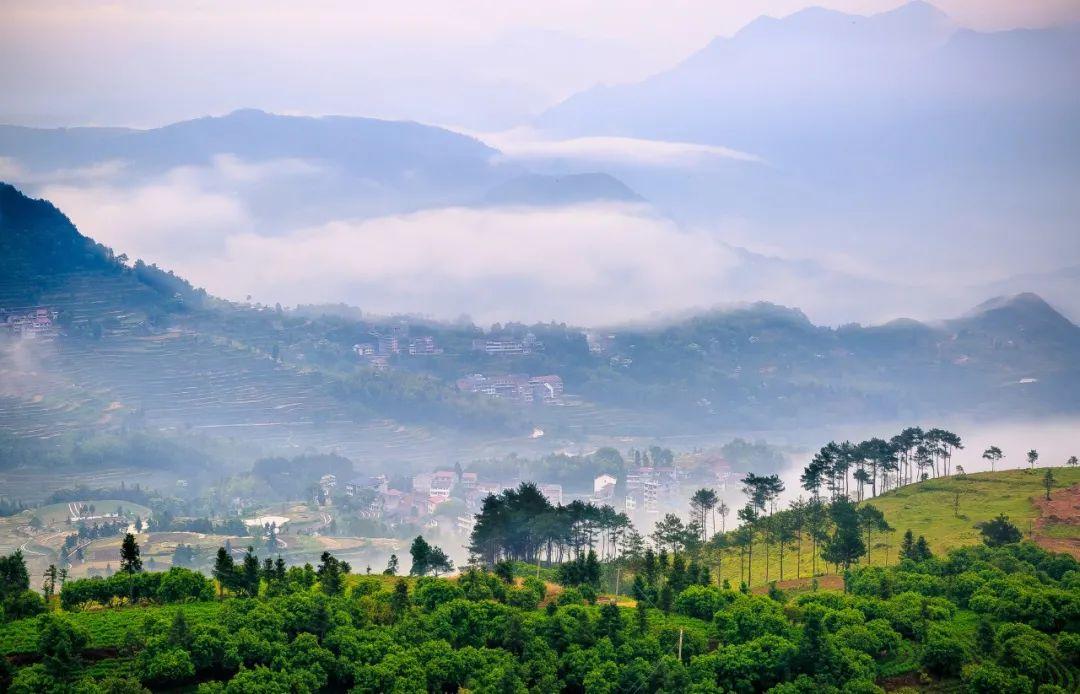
(995, 619)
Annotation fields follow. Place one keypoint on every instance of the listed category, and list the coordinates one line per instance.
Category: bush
(988, 678)
(184, 585)
(944, 653)
(164, 667)
(701, 601)
(432, 592)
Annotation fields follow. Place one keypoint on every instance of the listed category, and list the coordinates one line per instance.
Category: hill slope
(139, 347)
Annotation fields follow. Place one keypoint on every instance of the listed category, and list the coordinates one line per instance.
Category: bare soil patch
(1063, 508)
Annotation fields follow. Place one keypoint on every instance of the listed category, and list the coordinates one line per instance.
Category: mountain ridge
(136, 346)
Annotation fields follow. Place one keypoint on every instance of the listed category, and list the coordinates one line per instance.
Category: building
(421, 346)
(364, 349)
(33, 324)
(647, 488)
(421, 484)
(546, 388)
(508, 346)
(603, 489)
(378, 484)
(442, 483)
(552, 492)
(469, 480)
(465, 524)
(514, 387)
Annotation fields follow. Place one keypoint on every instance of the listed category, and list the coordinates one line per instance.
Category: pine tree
(399, 601)
(611, 623)
(250, 572)
(224, 571)
(641, 616)
(922, 549)
(667, 598)
(130, 561)
(907, 546)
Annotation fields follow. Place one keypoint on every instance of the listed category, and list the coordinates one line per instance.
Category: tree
(421, 555)
(1048, 482)
(922, 549)
(439, 562)
(60, 644)
(999, 531)
(391, 566)
(641, 616)
(993, 454)
(130, 561)
(702, 502)
(399, 601)
(724, 510)
(428, 558)
(907, 546)
(1072, 461)
(1032, 458)
(331, 573)
(669, 532)
(846, 545)
(224, 571)
(48, 586)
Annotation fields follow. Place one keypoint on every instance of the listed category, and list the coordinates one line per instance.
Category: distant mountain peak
(1026, 301)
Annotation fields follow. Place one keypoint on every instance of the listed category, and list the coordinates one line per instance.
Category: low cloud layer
(592, 264)
(527, 144)
(584, 264)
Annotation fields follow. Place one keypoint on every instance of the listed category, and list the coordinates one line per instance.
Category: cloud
(591, 264)
(12, 170)
(527, 143)
(583, 264)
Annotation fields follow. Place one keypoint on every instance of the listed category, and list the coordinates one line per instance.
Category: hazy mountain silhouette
(878, 135)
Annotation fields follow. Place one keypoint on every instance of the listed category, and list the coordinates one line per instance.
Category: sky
(482, 68)
(479, 64)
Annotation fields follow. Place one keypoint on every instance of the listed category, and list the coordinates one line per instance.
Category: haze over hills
(133, 346)
(899, 141)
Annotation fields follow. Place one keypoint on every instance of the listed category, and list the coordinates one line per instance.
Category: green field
(105, 626)
(927, 508)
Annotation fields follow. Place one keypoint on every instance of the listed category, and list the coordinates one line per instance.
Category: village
(645, 493)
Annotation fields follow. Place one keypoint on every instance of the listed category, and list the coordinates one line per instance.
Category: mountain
(541, 190)
(380, 150)
(874, 135)
(289, 172)
(117, 347)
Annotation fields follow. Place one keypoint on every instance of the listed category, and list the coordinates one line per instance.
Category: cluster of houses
(385, 345)
(648, 492)
(508, 346)
(514, 387)
(39, 323)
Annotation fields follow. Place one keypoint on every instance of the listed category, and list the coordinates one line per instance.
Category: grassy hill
(929, 509)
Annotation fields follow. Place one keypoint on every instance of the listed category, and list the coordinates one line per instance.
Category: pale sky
(469, 63)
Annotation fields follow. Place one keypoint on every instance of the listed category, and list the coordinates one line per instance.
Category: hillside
(996, 619)
(130, 345)
(927, 508)
(932, 509)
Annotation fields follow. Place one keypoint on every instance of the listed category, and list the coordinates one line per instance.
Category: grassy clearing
(926, 508)
(106, 626)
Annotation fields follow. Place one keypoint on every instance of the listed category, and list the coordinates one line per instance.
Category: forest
(1000, 617)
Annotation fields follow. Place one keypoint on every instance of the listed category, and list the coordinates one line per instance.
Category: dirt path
(1063, 509)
